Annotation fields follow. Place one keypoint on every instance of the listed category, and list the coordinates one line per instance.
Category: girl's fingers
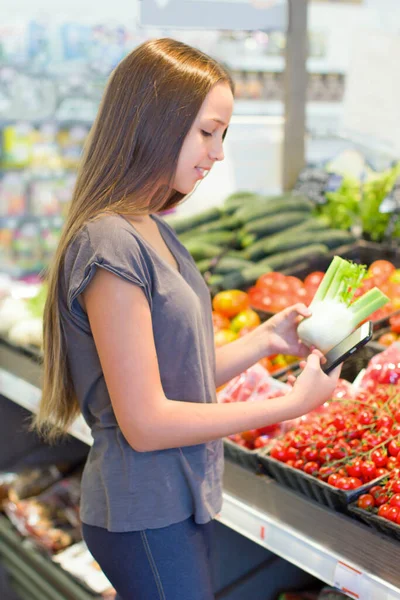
(291, 379)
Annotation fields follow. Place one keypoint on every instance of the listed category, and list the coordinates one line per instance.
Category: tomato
(395, 323)
(383, 510)
(333, 479)
(299, 464)
(355, 483)
(311, 468)
(326, 454)
(313, 279)
(279, 303)
(279, 453)
(231, 302)
(293, 453)
(380, 270)
(384, 421)
(366, 502)
(224, 336)
(310, 454)
(344, 483)
(262, 441)
(366, 417)
(339, 422)
(269, 280)
(246, 318)
(391, 463)
(379, 457)
(220, 321)
(353, 468)
(392, 514)
(326, 472)
(395, 276)
(395, 486)
(341, 450)
(395, 500)
(394, 447)
(368, 470)
(382, 471)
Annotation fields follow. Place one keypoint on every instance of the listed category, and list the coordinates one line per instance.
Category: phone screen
(348, 346)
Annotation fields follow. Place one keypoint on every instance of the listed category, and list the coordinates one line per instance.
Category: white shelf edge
(302, 551)
(28, 396)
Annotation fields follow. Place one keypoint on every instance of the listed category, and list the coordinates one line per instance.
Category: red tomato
(368, 470)
(366, 502)
(314, 279)
(366, 417)
(341, 450)
(344, 483)
(355, 483)
(395, 486)
(333, 479)
(382, 471)
(392, 514)
(279, 453)
(395, 500)
(299, 464)
(395, 323)
(326, 454)
(294, 283)
(380, 270)
(310, 454)
(394, 447)
(269, 280)
(311, 468)
(353, 468)
(379, 457)
(293, 453)
(326, 472)
(383, 510)
(391, 463)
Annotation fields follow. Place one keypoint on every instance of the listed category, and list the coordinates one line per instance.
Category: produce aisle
(319, 540)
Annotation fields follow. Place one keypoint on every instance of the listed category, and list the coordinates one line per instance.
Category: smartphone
(348, 346)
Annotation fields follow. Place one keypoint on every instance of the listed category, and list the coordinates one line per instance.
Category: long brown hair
(129, 162)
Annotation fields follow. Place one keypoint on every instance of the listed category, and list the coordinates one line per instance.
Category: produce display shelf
(329, 545)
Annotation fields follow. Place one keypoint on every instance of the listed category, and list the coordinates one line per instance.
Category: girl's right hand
(313, 387)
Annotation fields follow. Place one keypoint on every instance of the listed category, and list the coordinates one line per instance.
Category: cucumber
(281, 260)
(181, 224)
(218, 238)
(226, 223)
(237, 200)
(262, 227)
(277, 206)
(228, 264)
(205, 265)
(331, 238)
(200, 250)
(259, 249)
(235, 280)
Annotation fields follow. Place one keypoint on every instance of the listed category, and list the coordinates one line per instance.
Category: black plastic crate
(313, 488)
(244, 457)
(378, 523)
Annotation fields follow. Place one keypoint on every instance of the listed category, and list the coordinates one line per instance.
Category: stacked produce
(252, 234)
(233, 318)
(21, 319)
(356, 439)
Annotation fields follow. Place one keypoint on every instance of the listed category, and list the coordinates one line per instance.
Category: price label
(351, 581)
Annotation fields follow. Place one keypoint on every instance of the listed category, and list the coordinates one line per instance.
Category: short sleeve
(105, 243)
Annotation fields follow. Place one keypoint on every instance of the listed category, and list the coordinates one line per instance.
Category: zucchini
(181, 223)
(235, 280)
(205, 265)
(259, 249)
(236, 200)
(253, 211)
(227, 264)
(281, 260)
(200, 250)
(330, 237)
(226, 223)
(218, 238)
(272, 224)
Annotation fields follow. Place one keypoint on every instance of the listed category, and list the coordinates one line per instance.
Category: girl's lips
(201, 172)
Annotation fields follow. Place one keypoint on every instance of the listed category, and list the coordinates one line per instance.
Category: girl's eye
(206, 133)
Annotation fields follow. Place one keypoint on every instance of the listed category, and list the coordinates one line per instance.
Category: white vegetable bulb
(329, 324)
(12, 311)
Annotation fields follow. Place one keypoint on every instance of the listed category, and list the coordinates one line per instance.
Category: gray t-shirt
(125, 490)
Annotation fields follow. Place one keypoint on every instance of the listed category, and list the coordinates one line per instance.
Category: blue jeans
(171, 563)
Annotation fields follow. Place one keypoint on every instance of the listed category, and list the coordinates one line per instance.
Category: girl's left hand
(279, 333)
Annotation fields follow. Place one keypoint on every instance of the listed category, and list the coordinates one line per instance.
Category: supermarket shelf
(315, 538)
(20, 382)
(329, 545)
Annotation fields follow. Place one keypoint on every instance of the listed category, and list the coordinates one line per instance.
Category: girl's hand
(313, 387)
(279, 334)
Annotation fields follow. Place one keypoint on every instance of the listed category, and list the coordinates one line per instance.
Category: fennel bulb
(334, 314)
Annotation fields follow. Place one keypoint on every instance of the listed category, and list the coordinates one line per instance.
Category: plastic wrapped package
(51, 520)
(383, 368)
(32, 482)
(78, 561)
(252, 385)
